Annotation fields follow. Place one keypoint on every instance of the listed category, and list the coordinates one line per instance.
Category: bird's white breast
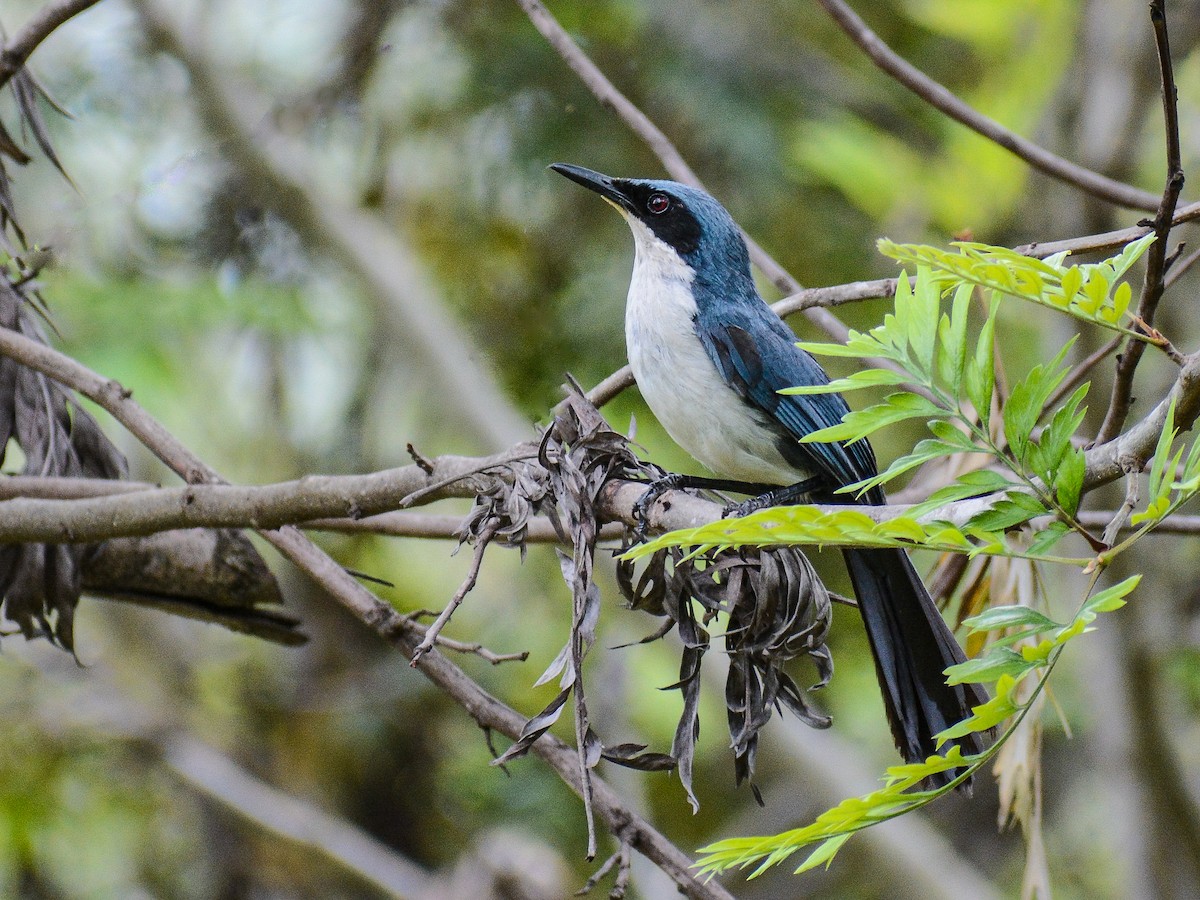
(681, 384)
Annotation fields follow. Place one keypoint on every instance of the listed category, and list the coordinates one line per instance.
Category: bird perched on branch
(710, 357)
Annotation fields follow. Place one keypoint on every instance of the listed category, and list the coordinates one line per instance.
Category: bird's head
(667, 215)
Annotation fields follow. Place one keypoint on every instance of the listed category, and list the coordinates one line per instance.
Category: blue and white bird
(710, 356)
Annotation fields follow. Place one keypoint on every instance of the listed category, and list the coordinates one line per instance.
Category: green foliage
(1093, 292)
(1036, 471)
(851, 527)
(901, 792)
(1173, 481)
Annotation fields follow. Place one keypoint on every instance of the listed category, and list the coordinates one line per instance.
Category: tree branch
(1108, 240)
(944, 101)
(16, 52)
(321, 496)
(371, 611)
(1152, 284)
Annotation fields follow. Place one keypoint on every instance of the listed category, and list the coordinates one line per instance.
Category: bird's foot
(799, 492)
(641, 509)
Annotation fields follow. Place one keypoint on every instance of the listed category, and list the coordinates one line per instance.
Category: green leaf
(1014, 509)
(922, 320)
(1068, 481)
(1162, 450)
(922, 453)
(1111, 598)
(969, 484)
(980, 370)
(824, 853)
(1055, 439)
(1001, 617)
(863, 378)
(1131, 254)
(1024, 405)
(860, 423)
(952, 340)
(1091, 291)
(996, 662)
(947, 432)
(1048, 537)
(986, 716)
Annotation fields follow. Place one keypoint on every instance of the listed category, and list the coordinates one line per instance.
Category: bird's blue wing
(757, 356)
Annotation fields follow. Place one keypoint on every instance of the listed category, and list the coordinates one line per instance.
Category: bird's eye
(658, 204)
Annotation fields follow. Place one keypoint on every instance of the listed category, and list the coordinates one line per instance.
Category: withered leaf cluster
(774, 607)
(40, 584)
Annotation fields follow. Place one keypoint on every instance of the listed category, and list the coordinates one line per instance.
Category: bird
(710, 357)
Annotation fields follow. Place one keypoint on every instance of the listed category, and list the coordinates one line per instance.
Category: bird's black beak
(604, 185)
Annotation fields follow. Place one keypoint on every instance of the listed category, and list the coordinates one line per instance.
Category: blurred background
(276, 204)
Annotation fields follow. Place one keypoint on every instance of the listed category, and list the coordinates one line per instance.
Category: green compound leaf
(1093, 292)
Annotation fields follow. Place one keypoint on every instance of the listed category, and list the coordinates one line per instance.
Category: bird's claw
(641, 509)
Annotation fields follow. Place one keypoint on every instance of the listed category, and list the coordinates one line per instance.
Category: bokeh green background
(181, 273)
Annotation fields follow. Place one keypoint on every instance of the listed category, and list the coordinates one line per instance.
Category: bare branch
(1109, 240)
(1152, 285)
(17, 51)
(944, 101)
(489, 712)
(468, 584)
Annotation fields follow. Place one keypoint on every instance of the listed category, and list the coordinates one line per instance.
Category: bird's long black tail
(912, 646)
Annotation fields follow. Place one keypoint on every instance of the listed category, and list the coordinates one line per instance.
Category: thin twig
(17, 51)
(1180, 267)
(1121, 518)
(432, 632)
(423, 493)
(621, 860)
(1108, 240)
(1152, 285)
(1080, 372)
(477, 649)
(944, 101)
